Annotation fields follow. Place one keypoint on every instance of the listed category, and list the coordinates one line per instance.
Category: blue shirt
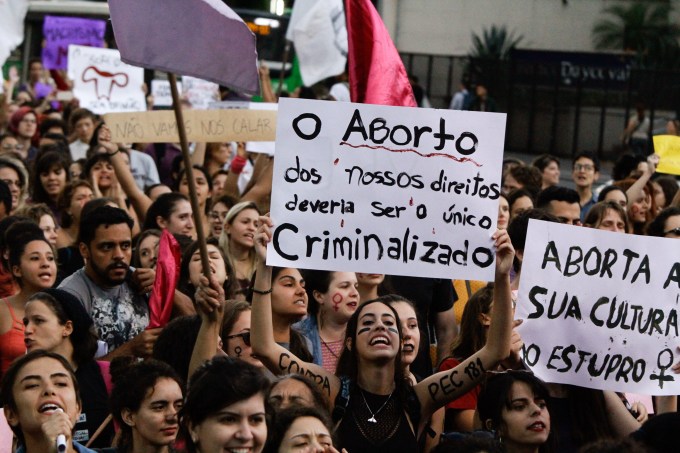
(586, 207)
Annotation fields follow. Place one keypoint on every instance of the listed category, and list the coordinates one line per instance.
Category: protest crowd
(112, 336)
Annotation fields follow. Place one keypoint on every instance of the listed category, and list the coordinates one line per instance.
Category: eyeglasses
(584, 167)
(245, 336)
(674, 231)
(29, 121)
(10, 147)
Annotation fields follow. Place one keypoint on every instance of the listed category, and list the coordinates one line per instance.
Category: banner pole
(193, 196)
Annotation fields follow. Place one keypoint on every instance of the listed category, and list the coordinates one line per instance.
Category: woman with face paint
(333, 298)
(376, 406)
(236, 332)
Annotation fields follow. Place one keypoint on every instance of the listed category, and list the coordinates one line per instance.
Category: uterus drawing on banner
(103, 83)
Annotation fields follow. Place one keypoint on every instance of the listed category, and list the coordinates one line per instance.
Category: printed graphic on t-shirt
(118, 320)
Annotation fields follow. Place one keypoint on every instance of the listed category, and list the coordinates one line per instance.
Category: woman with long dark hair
(34, 268)
(375, 404)
(57, 322)
(145, 402)
(333, 298)
(191, 269)
(514, 405)
(224, 409)
(50, 176)
(46, 406)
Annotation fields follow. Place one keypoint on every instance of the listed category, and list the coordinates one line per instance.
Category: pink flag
(167, 275)
(376, 73)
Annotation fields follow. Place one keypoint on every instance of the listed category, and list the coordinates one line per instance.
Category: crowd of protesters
(259, 358)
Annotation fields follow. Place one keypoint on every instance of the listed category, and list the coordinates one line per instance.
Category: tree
(494, 44)
(640, 27)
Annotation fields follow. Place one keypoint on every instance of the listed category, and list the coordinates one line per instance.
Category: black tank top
(390, 433)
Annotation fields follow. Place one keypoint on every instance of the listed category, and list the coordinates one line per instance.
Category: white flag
(12, 14)
(317, 28)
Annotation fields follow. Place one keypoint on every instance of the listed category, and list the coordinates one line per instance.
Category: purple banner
(60, 31)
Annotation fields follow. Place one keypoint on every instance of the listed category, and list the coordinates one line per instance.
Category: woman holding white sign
(374, 403)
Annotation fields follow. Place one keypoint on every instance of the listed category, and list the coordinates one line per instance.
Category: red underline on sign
(448, 156)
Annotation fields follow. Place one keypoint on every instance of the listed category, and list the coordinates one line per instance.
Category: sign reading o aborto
(380, 189)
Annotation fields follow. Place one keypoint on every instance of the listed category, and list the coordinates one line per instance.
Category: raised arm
(259, 190)
(621, 421)
(635, 191)
(138, 199)
(198, 156)
(237, 164)
(275, 357)
(210, 301)
(441, 388)
(266, 84)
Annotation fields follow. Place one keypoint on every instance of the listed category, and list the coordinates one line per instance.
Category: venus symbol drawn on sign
(662, 377)
(104, 81)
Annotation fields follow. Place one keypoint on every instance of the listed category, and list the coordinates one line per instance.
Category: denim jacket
(310, 329)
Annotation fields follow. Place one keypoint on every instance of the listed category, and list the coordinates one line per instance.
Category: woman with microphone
(41, 401)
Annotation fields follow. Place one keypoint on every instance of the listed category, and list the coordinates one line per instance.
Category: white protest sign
(160, 90)
(392, 190)
(200, 93)
(600, 308)
(103, 83)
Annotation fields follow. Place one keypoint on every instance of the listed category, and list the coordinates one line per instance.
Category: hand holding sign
(386, 189)
(505, 252)
(652, 163)
(262, 237)
(668, 148)
(514, 360)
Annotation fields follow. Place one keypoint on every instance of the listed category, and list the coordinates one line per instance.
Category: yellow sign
(238, 125)
(668, 149)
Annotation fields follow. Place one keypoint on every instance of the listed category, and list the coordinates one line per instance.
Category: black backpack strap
(342, 400)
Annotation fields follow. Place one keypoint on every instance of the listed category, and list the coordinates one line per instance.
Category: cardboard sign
(380, 189)
(668, 149)
(200, 125)
(60, 32)
(103, 83)
(600, 308)
(252, 147)
(162, 95)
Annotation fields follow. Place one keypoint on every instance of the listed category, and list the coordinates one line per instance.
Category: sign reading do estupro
(394, 190)
(600, 309)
